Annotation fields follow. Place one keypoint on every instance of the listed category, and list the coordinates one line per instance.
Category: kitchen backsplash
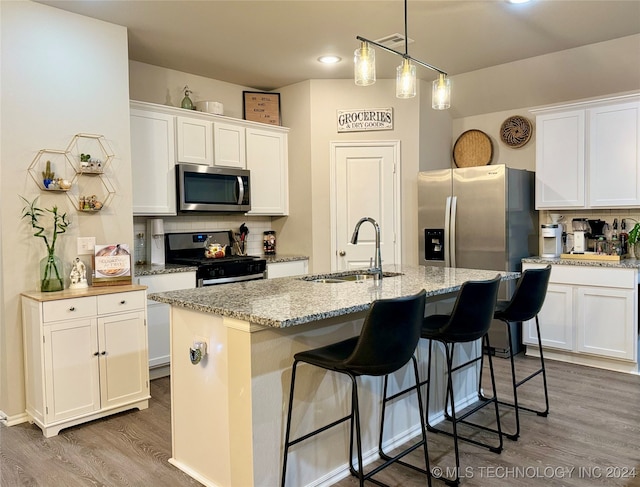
(605, 215)
(173, 224)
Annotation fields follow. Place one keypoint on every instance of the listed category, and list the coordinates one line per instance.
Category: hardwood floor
(590, 437)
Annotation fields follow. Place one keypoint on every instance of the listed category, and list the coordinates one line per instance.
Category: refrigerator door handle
(447, 235)
(452, 230)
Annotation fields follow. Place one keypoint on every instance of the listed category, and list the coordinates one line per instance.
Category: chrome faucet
(376, 268)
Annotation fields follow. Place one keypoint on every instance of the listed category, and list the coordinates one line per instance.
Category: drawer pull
(72, 308)
(122, 302)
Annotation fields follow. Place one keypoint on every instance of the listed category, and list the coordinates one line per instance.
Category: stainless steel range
(189, 249)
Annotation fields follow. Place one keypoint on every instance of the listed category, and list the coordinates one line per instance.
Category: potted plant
(634, 237)
(51, 277)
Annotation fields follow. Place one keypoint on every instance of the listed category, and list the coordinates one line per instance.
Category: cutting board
(600, 257)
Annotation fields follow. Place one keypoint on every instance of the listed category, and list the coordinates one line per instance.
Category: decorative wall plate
(473, 148)
(515, 131)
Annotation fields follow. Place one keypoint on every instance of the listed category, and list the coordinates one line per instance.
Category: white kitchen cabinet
(287, 269)
(194, 139)
(588, 154)
(614, 155)
(604, 322)
(267, 159)
(590, 312)
(556, 320)
(85, 357)
(229, 145)
(158, 316)
(153, 159)
(560, 143)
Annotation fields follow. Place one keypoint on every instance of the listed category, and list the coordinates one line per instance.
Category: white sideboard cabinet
(588, 154)
(85, 355)
(589, 316)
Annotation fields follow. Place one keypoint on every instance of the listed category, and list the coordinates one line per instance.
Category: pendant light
(365, 70)
(364, 62)
(406, 80)
(441, 93)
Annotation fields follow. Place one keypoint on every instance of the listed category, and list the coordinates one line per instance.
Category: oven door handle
(226, 280)
(240, 190)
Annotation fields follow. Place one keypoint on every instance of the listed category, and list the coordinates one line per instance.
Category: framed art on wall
(262, 107)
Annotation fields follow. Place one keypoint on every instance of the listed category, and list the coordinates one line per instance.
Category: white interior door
(365, 183)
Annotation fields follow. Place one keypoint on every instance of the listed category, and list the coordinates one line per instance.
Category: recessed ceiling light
(329, 59)
(518, 1)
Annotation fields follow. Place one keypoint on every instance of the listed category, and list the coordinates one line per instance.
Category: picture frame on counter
(259, 106)
(111, 265)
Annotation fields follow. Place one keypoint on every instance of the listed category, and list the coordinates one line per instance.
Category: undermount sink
(348, 276)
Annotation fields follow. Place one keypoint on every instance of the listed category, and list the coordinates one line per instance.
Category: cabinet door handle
(104, 352)
(72, 308)
(122, 302)
(96, 354)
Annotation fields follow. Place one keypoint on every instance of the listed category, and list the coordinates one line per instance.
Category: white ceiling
(268, 44)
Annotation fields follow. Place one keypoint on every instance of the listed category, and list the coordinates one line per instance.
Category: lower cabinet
(588, 311)
(158, 316)
(85, 357)
(287, 268)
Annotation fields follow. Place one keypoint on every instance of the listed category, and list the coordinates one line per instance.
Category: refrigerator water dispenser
(434, 243)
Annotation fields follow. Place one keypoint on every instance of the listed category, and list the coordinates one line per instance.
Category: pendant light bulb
(364, 62)
(441, 93)
(406, 80)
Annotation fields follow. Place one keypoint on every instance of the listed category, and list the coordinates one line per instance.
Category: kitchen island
(228, 410)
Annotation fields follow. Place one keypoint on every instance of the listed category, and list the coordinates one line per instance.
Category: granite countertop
(275, 258)
(622, 264)
(293, 301)
(155, 269)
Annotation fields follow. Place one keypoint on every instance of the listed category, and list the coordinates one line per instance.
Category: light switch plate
(86, 245)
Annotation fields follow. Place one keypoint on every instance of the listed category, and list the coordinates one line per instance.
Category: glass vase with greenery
(51, 276)
(633, 241)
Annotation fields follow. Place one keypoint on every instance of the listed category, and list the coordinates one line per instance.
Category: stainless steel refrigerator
(478, 218)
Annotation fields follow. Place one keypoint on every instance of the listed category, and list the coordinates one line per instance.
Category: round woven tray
(473, 148)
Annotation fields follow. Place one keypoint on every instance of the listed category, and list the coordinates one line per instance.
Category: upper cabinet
(194, 141)
(229, 142)
(588, 155)
(614, 133)
(153, 159)
(162, 136)
(267, 161)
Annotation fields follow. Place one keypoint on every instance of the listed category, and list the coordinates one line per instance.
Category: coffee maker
(551, 240)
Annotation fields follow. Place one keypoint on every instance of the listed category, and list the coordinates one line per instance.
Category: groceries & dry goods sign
(362, 120)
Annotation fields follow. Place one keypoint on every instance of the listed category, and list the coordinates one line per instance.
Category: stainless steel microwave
(207, 188)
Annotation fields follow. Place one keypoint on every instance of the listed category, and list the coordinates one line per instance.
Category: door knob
(342, 253)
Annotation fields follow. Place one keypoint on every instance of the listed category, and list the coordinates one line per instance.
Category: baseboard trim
(13, 420)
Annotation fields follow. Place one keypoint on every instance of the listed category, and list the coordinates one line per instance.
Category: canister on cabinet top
(269, 242)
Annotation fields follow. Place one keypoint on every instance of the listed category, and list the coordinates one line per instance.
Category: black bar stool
(525, 304)
(469, 321)
(387, 342)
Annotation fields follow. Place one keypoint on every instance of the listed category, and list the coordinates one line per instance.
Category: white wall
(62, 74)
(164, 86)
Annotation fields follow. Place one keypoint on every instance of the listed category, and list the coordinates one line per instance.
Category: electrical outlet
(86, 245)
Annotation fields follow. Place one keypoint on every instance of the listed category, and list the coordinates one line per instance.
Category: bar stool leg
(288, 429)
(421, 413)
(544, 373)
